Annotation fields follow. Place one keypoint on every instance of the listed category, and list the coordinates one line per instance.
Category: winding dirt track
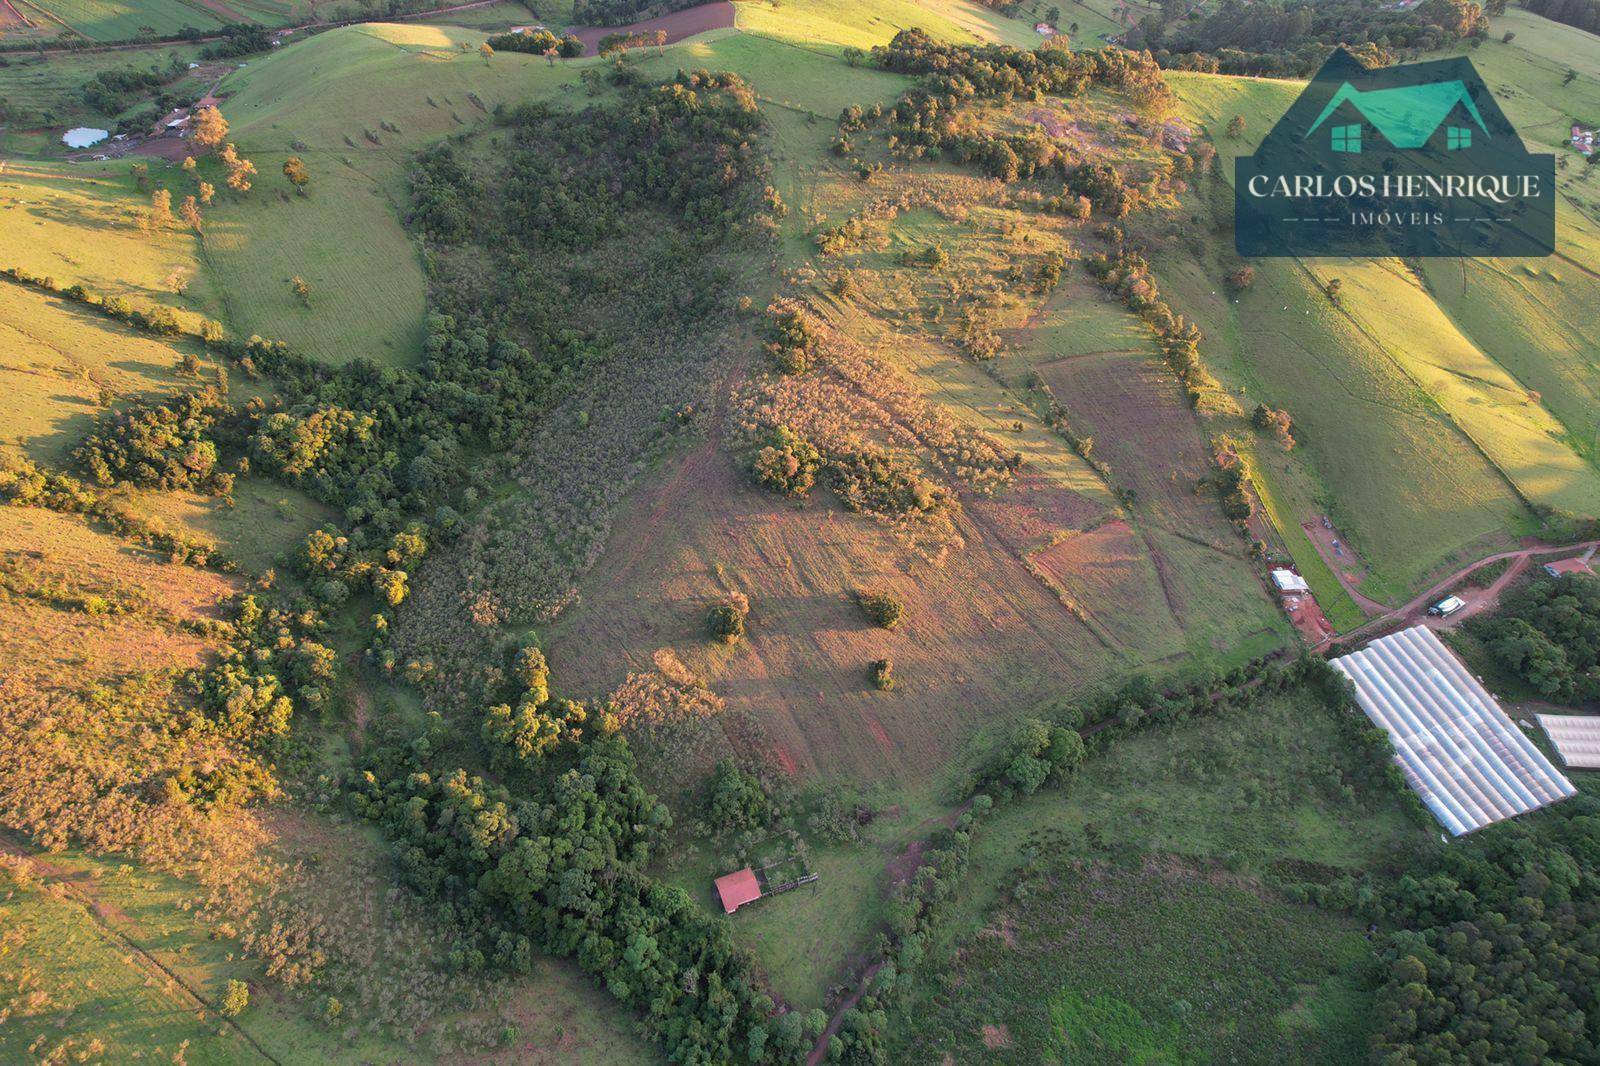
(1523, 558)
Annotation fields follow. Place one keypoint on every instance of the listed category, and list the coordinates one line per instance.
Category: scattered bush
(726, 619)
(882, 607)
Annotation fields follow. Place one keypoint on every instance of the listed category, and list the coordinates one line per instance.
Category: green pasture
(52, 85)
(336, 100)
(122, 20)
(831, 25)
(78, 223)
(1160, 964)
(1194, 823)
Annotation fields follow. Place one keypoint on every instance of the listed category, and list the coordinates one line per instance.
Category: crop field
(110, 20)
(1147, 887)
(1141, 424)
(803, 671)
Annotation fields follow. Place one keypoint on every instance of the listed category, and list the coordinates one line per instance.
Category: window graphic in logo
(1413, 160)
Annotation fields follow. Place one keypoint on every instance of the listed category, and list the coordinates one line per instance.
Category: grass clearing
(1124, 903)
(356, 104)
(77, 223)
(830, 26)
(1164, 963)
(122, 20)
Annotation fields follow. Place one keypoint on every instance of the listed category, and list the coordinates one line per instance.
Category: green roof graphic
(1406, 116)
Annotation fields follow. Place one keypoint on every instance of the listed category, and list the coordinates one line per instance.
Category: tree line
(1292, 38)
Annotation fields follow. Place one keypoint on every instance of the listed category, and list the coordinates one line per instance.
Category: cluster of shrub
(166, 445)
(1547, 632)
(1292, 38)
(239, 39)
(158, 321)
(1494, 948)
(110, 92)
(537, 42)
(24, 484)
(621, 12)
(559, 868)
(1127, 273)
(923, 121)
(385, 443)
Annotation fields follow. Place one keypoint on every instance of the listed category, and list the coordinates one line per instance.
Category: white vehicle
(1447, 607)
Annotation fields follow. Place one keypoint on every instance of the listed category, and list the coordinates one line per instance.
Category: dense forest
(1584, 14)
(1547, 632)
(1292, 39)
(1496, 948)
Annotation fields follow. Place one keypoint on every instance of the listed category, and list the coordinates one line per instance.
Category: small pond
(83, 136)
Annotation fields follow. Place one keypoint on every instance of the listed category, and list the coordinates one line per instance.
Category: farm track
(1523, 557)
(105, 921)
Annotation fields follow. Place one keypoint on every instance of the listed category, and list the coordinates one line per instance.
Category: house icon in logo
(1405, 117)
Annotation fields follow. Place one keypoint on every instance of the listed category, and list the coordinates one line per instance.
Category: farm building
(1576, 738)
(1289, 581)
(737, 889)
(1468, 762)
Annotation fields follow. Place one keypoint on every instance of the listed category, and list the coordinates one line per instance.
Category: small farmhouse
(737, 889)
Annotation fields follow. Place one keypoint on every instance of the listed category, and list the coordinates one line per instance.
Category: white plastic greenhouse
(1576, 738)
(1462, 755)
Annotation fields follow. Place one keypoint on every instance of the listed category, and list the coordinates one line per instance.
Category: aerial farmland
(774, 532)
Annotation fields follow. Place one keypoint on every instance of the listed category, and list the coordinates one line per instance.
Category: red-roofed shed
(738, 888)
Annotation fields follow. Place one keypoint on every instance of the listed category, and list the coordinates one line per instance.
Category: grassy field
(77, 223)
(320, 99)
(1136, 907)
(830, 25)
(52, 85)
(1451, 406)
(1164, 963)
(111, 20)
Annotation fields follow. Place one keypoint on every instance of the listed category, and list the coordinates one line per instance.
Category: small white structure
(1467, 761)
(1576, 738)
(1447, 607)
(1289, 581)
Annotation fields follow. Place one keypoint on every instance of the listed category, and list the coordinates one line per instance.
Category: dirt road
(1479, 600)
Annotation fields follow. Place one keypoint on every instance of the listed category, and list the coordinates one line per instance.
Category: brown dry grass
(981, 637)
(54, 562)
